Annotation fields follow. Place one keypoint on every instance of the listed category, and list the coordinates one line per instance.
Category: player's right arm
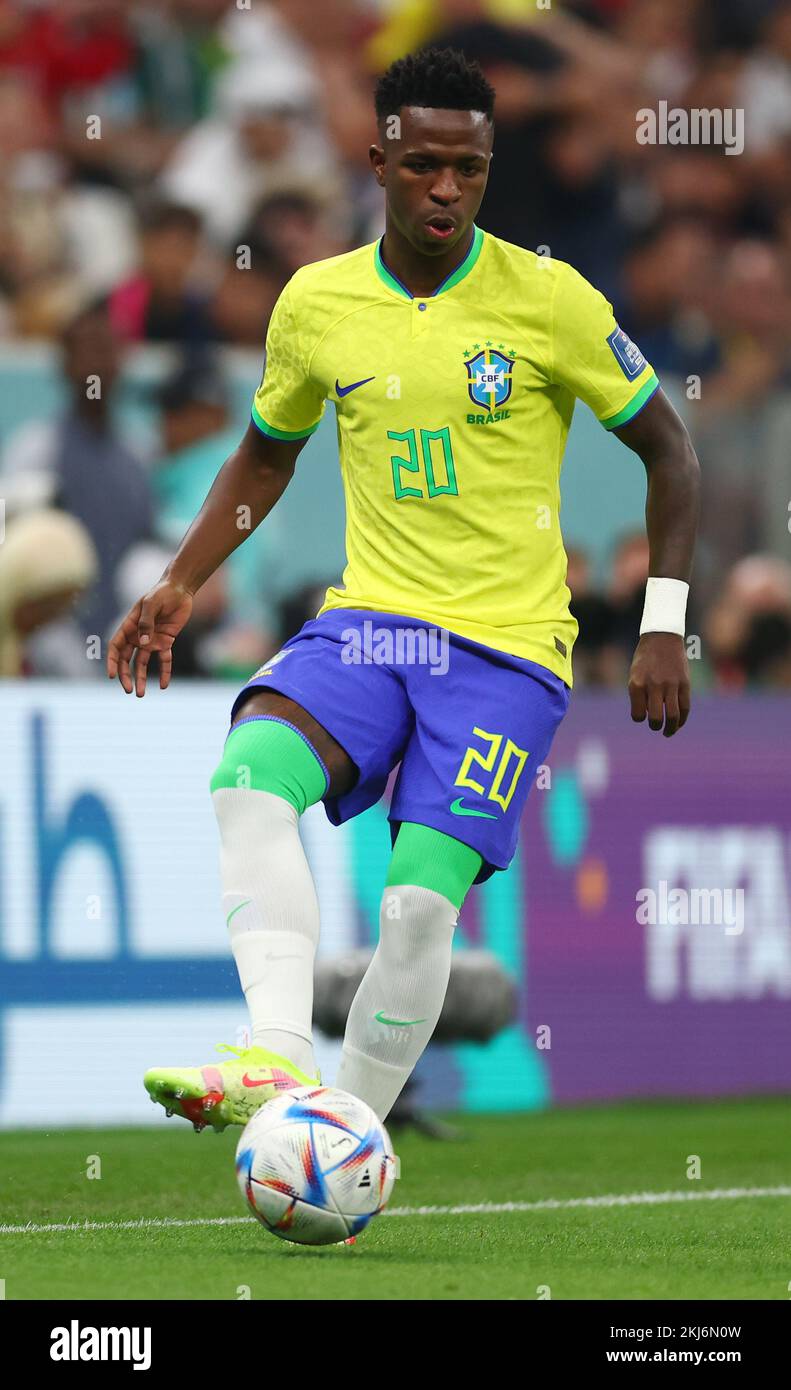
(287, 410)
(245, 490)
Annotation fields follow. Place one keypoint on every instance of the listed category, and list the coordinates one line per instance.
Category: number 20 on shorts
(475, 758)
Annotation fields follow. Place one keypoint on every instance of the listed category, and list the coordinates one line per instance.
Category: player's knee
(264, 754)
(409, 916)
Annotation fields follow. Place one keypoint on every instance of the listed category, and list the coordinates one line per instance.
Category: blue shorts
(470, 726)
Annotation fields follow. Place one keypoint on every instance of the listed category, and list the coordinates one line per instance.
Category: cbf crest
(490, 374)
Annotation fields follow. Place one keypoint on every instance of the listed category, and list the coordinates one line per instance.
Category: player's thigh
(469, 765)
(339, 765)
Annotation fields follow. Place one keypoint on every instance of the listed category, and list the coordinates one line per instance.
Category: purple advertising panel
(657, 903)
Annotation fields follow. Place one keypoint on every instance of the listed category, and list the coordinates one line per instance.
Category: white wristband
(665, 606)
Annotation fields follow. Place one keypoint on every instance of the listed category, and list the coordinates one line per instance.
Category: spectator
(47, 561)
(80, 463)
(733, 423)
(197, 435)
(262, 135)
(243, 298)
(765, 653)
(748, 628)
(292, 229)
(62, 48)
(766, 94)
(161, 301)
(180, 51)
(670, 295)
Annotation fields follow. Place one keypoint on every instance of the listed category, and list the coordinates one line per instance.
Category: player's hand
(152, 625)
(659, 682)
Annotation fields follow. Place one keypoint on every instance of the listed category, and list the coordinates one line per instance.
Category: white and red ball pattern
(315, 1165)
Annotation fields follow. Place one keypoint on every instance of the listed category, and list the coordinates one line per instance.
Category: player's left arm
(659, 687)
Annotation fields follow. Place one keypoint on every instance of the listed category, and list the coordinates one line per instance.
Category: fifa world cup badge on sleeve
(627, 354)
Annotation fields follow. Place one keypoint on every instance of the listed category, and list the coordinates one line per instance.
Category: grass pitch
(723, 1247)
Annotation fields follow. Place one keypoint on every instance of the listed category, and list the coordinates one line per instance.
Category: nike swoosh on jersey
(459, 810)
(344, 390)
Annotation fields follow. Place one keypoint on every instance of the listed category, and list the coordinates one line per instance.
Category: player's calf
(400, 998)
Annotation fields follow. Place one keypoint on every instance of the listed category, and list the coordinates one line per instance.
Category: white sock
(405, 984)
(272, 911)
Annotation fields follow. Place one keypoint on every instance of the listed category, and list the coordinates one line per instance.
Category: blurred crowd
(164, 169)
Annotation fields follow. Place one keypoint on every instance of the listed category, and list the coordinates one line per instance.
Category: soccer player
(453, 360)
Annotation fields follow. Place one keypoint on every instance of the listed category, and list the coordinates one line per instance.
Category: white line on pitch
(627, 1199)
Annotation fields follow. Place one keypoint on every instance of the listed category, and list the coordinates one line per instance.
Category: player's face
(434, 166)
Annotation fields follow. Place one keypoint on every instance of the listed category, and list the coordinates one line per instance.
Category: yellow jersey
(452, 417)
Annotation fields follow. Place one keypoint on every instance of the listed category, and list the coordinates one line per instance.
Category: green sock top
(431, 859)
(267, 754)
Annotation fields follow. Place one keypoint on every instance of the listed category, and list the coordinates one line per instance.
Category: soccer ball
(315, 1165)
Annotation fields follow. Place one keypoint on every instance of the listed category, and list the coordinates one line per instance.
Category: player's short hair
(441, 78)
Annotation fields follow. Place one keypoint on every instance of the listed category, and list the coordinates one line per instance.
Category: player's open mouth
(442, 227)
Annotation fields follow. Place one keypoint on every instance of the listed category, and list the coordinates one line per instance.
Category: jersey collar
(460, 273)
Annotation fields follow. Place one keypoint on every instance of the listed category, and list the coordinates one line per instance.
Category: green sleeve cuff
(635, 405)
(287, 435)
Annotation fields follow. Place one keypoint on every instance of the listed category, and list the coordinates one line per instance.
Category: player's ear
(377, 157)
